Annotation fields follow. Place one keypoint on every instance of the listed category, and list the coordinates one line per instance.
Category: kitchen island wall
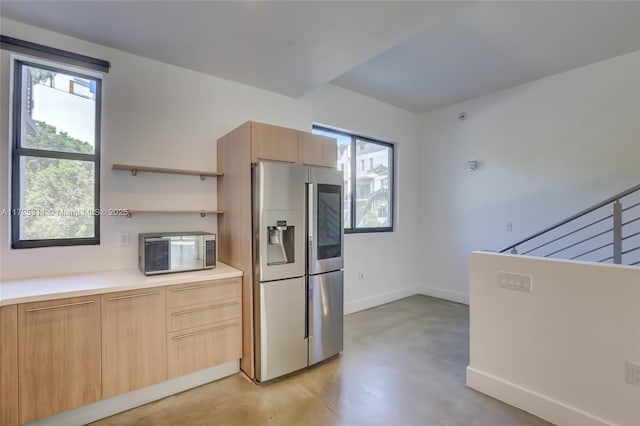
(162, 115)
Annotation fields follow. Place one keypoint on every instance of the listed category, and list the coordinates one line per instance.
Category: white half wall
(163, 115)
(546, 150)
(560, 351)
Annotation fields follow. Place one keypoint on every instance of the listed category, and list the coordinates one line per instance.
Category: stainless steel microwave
(166, 252)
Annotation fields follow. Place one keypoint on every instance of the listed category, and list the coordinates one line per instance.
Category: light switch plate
(633, 373)
(123, 238)
(515, 281)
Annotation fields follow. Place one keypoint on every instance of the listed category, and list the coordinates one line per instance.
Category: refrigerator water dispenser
(281, 244)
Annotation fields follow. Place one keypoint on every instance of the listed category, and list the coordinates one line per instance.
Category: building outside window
(55, 156)
(368, 189)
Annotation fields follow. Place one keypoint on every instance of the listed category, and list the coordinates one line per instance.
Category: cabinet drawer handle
(209, 330)
(195, 287)
(205, 308)
(66, 305)
(153, 293)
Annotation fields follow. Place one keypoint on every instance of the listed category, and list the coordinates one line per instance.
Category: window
(56, 157)
(368, 189)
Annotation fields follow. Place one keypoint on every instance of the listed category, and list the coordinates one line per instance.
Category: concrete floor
(403, 364)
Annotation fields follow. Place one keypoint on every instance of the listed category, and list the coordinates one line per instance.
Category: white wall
(546, 149)
(559, 352)
(162, 115)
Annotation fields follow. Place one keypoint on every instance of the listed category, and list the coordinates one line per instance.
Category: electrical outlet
(515, 281)
(633, 373)
(123, 238)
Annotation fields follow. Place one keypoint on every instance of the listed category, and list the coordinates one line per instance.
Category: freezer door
(326, 315)
(282, 346)
(325, 233)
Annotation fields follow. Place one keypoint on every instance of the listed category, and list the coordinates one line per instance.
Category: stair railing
(618, 225)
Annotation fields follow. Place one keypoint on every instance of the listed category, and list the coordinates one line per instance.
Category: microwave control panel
(210, 253)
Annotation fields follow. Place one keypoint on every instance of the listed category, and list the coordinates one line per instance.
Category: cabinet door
(9, 365)
(273, 143)
(58, 356)
(134, 351)
(317, 150)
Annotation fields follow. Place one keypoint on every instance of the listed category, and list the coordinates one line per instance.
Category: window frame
(17, 152)
(352, 166)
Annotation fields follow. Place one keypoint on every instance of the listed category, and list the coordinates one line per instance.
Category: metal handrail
(592, 251)
(579, 242)
(576, 216)
(582, 228)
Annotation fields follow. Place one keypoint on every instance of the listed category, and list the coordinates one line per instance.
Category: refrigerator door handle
(310, 311)
(310, 218)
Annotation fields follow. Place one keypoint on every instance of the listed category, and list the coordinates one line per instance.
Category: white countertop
(49, 288)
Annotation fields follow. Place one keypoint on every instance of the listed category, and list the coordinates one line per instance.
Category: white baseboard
(443, 293)
(379, 299)
(532, 402)
(108, 407)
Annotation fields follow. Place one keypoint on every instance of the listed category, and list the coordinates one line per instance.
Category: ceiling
(417, 55)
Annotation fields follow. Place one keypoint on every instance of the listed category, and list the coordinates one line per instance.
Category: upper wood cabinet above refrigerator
(275, 143)
(317, 150)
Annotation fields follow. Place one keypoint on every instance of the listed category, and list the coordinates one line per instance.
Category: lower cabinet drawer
(200, 292)
(203, 314)
(203, 347)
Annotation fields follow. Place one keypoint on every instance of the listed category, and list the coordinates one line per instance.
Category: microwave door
(186, 253)
(325, 228)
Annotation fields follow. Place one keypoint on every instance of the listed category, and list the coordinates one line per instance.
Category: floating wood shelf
(135, 169)
(202, 213)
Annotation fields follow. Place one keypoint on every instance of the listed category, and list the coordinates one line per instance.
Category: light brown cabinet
(204, 325)
(273, 143)
(8, 365)
(133, 340)
(206, 291)
(58, 356)
(61, 354)
(202, 347)
(203, 313)
(317, 150)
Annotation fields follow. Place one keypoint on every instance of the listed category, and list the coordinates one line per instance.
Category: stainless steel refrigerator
(298, 261)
